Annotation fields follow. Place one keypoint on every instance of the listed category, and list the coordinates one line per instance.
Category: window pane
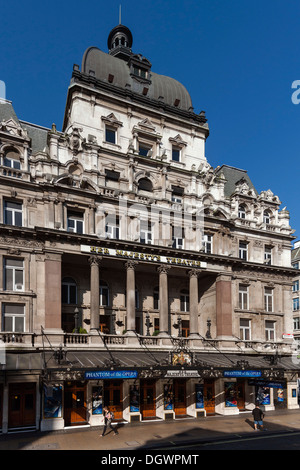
(18, 219)
(73, 295)
(8, 324)
(9, 279)
(19, 324)
(110, 136)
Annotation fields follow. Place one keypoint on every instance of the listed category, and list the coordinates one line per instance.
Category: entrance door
(22, 405)
(75, 404)
(240, 392)
(180, 397)
(148, 399)
(113, 397)
(209, 396)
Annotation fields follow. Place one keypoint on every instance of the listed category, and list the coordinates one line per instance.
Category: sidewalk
(151, 435)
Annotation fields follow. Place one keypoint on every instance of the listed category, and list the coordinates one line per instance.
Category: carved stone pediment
(13, 128)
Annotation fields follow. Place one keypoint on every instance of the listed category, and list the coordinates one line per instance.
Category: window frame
(69, 282)
(184, 301)
(13, 211)
(243, 297)
(268, 297)
(270, 331)
(14, 316)
(76, 217)
(245, 330)
(243, 251)
(14, 270)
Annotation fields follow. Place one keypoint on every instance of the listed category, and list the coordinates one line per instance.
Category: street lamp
(148, 324)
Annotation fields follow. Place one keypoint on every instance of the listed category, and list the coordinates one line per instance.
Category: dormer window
(242, 211)
(12, 159)
(139, 72)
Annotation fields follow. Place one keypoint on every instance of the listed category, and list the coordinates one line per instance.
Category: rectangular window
(12, 163)
(175, 154)
(184, 301)
(296, 286)
(270, 330)
(245, 329)
(243, 297)
(75, 222)
(13, 274)
(144, 150)
(177, 237)
(112, 227)
(177, 194)
(268, 255)
(145, 232)
(295, 265)
(13, 213)
(268, 299)
(110, 135)
(296, 304)
(243, 251)
(296, 323)
(14, 318)
(207, 243)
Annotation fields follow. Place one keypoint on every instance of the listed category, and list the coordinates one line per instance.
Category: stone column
(163, 300)
(193, 274)
(130, 296)
(224, 306)
(94, 291)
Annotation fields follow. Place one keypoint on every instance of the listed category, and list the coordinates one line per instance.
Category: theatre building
(134, 274)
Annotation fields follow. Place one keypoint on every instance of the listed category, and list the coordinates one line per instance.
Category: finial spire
(120, 14)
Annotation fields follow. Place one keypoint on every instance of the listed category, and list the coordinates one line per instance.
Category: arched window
(12, 159)
(145, 185)
(242, 211)
(184, 300)
(266, 217)
(69, 291)
(104, 294)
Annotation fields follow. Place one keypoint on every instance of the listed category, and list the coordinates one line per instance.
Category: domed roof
(119, 68)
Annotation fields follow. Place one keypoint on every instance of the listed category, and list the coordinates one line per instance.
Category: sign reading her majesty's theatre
(142, 256)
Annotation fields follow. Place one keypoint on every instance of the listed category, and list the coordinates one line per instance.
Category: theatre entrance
(75, 412)
(148, 399)
(209, 396)
(180, 397)
(113, 397)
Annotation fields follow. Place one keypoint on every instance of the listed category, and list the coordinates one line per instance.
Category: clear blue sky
(237, 58)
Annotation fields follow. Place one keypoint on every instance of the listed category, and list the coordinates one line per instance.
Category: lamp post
(208, 335)
(148, 324)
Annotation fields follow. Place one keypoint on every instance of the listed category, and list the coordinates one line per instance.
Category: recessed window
(266, 217)
(268, 296)
(242, 211)
(175, 154)
(13, 274)
(104, 294)
(156, 298)
(243, 251)
(146, 232)
(207, 243)
(270, 330)
(296, 304)
(145, 185)
(145, 150)
(75, 222)
(184, 301)
(12, 160)
(296, 286)
(14, 318)
(245, 329)
(69, 291)
(243, 297)
(13, 213)
(268, 255)
(177, 237)
(112, 227)
(110, 135)
(296, 323)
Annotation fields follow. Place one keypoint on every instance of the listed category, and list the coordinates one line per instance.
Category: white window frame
(296, 285)
(269, 299)
(296, 323)
(14, 316)
(145, 232)
(72, 216)
(14, 211)
(207, 243)
(266, 217)
(245, 330)
(268, 254)
(243, 250)
(112, 228)
(103, 287)
(184, 301)
(270, 331)
(17, 286)
(296, 304)
(243, 297)
(242, 211)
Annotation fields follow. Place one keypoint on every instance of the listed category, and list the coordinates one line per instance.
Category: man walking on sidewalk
(258, 416)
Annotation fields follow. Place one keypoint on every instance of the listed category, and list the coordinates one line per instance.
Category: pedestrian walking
(258, 417)
(108, 417)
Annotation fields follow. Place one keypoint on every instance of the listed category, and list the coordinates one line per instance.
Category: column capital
(163, 269)
(193, 273)
(95, 260)
(130, 264)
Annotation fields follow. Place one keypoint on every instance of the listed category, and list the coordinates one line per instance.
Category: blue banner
(110, 374)
(242, 373)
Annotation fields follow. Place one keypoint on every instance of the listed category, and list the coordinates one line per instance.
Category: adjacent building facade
(134, 274)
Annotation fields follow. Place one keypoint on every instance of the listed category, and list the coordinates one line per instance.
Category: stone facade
(118, 236)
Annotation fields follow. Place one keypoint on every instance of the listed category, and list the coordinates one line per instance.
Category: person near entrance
(108, 417)
(258, 417)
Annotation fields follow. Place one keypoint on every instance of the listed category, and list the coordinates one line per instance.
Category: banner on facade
(182, 374)
(242, 373)
(110, 374)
